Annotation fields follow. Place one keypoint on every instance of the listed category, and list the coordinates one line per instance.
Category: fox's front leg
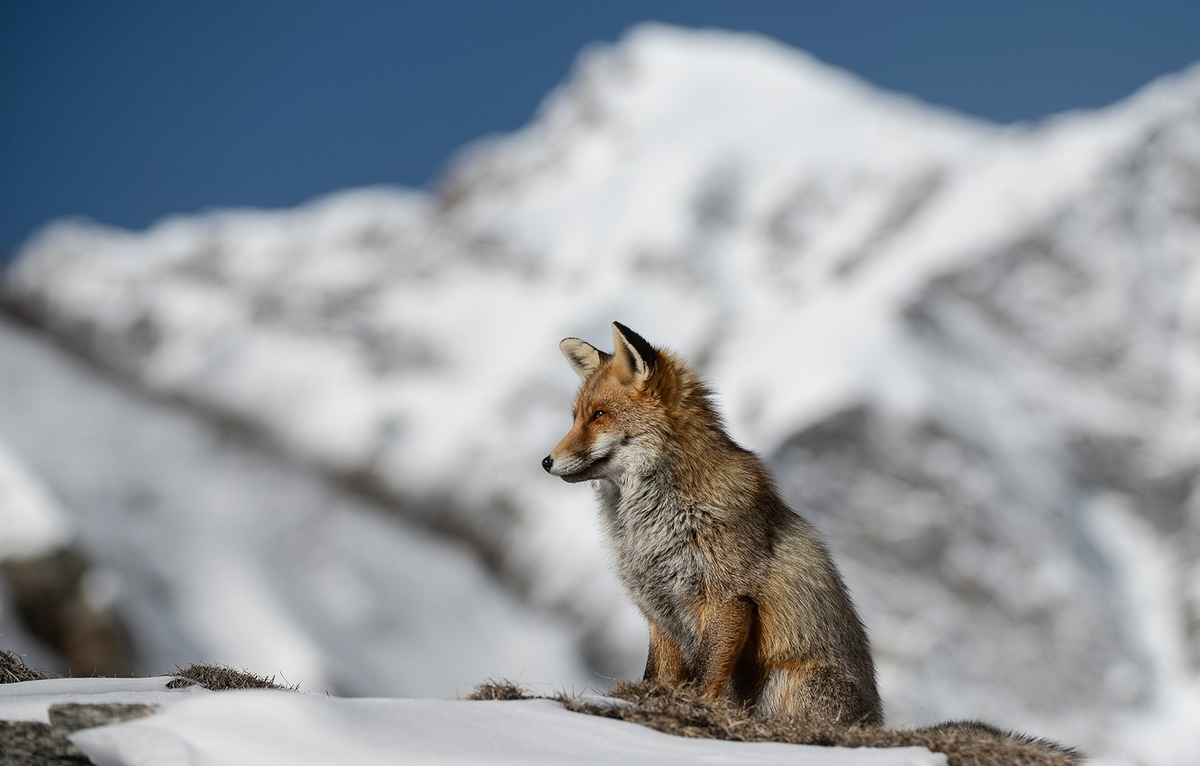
(725, 627)
(664, 662)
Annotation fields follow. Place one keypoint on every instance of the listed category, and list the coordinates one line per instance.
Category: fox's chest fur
(657, 541)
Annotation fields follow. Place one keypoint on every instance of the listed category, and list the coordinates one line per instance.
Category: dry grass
(221, 678)
(14, 670)
(214, 677)
(499, 689)
(680, 711)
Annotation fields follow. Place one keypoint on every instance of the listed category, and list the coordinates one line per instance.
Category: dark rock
(48, 596)
(30, 743)
(33, 743)
(72, 717)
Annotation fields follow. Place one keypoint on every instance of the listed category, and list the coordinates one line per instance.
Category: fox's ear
(583, 357)
(633, 353)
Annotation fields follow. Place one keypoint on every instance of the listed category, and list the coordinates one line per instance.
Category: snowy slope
(970, 353)
(32, 521)
(220, 553)
(203, 728)
(32, 524)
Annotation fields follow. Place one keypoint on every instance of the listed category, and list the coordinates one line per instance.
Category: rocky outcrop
(33, 743)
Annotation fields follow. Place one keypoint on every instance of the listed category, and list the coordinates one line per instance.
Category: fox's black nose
(547, 462)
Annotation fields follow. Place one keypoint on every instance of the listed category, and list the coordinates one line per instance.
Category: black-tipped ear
(633, 351)
(583, 357)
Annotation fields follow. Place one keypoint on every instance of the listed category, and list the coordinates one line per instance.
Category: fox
(741, 594)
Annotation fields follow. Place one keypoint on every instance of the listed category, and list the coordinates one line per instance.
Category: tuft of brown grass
(499, 689)
(683, 712)
(214, 677)
(13, 670)
(221, 678)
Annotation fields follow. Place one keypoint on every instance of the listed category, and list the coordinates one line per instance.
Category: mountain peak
(747, 66)
(665, 93)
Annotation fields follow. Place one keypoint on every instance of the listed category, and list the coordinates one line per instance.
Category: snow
(32, 521)
(202, 728)
(1152, 578)
(31, 700)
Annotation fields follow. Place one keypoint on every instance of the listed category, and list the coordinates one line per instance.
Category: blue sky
(127, 111)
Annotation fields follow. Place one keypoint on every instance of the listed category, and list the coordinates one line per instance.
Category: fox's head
(625, 410)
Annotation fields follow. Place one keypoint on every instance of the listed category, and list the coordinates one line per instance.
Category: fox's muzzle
(571, 468)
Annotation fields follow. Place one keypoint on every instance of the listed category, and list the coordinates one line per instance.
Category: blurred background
(283, 284)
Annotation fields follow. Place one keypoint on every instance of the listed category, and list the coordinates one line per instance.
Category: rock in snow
(970, 353)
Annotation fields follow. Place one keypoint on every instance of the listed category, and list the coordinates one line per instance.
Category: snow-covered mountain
(970, 353)
(213, 550)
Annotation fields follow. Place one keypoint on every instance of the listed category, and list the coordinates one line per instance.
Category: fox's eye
(597, 414)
